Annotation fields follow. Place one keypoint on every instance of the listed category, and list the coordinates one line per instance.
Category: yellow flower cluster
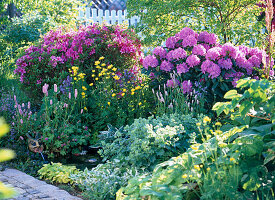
(107, 72)
(75, 75)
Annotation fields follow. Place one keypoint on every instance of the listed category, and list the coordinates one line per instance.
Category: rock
(92, 160)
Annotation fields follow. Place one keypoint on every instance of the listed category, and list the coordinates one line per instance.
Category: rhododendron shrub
(198, 61)
(50, 60)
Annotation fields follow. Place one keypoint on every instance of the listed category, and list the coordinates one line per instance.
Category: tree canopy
(233, 21)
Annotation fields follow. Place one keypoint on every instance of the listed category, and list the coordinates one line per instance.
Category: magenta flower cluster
(61, 49)
(198, 56)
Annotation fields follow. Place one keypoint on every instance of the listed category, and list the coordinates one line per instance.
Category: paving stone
(29, 188)
(19, 190)
(35, 184)
(23, 198)
(13, 173)
(25, 178)
(32, 191)
(47, 188)
(42, 195)
(3, 178)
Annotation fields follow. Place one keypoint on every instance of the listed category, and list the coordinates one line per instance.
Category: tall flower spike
(55, 87)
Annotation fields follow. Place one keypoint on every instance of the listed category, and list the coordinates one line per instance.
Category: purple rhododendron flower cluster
(199, 57)
(61, 49)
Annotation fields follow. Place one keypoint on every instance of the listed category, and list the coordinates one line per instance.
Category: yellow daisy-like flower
(101, 58)
(93, 70)
(103, 64)
(194, 147)
(81, 75)
(83, 94)
(116, 77)
(114, 69)
(190, 176)
(142, 85)
(137, 88)
(75, 78)
(84, 88)
(99, 74)
(93, 75)
(91, 84)
(85, 108)
(108, 103)
(124, 90)
(184, 176)
(123, 94)
(206, 119)
(96, 78)
(133, 90)
(107, 77)
(113, 94)
(97, 62)
(218, 132)
(139, 103)
(218, 124)
(208, 168)
(110, 67)
(98, 67)
(132, 93)
(197, 167)
(232, 159)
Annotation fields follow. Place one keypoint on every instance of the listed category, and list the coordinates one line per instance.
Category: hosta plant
(56, 172)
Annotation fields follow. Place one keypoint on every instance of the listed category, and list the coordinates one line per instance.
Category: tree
(232, 20)
(60, 11)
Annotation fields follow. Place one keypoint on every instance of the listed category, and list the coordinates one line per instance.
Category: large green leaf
(231, 94)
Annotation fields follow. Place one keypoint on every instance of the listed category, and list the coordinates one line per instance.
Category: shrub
(103, 181)
(27, 28)
(147, 142)
(216, 169)
(50, 60)
(236, 163)
(56, 172)
(198, 62)
(58, 123)
(255, 107)
(108, 91)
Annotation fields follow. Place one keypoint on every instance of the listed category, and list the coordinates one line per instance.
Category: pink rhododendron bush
(58, 51)
(197, 63)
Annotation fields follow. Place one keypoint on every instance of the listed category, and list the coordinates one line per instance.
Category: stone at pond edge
(92, 160)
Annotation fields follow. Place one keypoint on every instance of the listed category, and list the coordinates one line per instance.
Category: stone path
(29, 188)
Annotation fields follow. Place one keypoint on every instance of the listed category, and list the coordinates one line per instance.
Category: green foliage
(233, 20)
(103, 181)
(56, 172)
(113, 91)
(173, 100)
(27, 28)
(60, 11)
(50, 59)
(236, 163)
(148, 142)
(58, 123)
(215, 169)
(254, 107)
